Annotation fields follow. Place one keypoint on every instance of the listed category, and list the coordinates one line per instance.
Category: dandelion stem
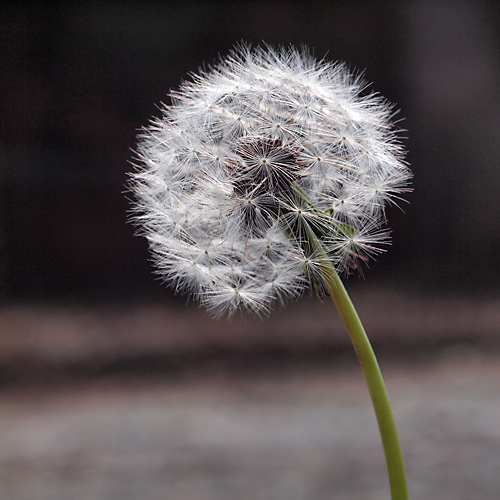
(372, 373)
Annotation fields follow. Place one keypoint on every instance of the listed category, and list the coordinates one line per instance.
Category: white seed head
(250, 155)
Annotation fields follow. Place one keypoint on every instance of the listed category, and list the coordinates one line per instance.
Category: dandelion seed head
(251, 155)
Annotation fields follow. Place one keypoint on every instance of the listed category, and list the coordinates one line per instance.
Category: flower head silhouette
(253, 157)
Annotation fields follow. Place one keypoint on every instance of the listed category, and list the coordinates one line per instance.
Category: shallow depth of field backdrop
(79, 302)
(78, 81)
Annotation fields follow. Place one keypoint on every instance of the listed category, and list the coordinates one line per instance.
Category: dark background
(78, 80)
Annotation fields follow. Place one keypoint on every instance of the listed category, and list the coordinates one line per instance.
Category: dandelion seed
(252, 155)
(267, 174)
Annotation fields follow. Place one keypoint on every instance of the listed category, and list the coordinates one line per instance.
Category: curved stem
(372, 373)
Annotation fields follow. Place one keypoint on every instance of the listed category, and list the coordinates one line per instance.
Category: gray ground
(304, 435)
(154, 402)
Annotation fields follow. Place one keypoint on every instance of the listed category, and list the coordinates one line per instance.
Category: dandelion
(266, 144)
(269, 173)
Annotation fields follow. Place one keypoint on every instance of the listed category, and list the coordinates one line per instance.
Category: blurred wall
(79, 79)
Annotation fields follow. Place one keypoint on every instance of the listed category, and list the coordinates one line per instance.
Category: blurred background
(112, 387)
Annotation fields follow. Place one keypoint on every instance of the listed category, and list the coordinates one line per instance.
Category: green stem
(371, 370)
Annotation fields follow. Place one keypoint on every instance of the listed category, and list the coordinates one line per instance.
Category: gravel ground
(298, 433)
